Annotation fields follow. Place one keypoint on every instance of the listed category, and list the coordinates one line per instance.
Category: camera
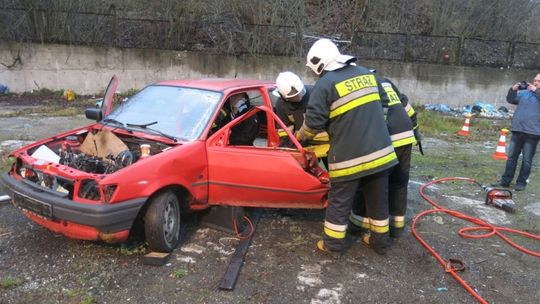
(523, 85)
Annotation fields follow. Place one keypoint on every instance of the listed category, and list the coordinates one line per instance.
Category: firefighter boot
(332, 253)
(397, 225)
(372, 240)
(396, 232)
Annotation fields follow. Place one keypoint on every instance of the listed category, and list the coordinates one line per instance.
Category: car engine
(99, 153)
(94, 164)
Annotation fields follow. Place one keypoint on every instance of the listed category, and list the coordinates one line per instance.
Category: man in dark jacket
(345, 102)
(525, 132)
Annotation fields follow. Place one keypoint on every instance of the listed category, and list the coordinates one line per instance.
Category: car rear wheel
(162, 222)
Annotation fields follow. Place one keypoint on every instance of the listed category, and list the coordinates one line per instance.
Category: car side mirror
(94, 113)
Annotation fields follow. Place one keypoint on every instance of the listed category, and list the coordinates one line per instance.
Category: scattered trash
(478, 109)
(486, 110)
(438, 107)
(438, 220)
(442, 289)
(4, 198)
(4, 89)
(69, 95)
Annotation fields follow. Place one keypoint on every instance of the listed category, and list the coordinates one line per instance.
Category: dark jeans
(520, 142)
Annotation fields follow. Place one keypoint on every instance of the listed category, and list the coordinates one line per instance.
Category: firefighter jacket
(347, 103)
(408, 107)
(400, 125)
(292, 113)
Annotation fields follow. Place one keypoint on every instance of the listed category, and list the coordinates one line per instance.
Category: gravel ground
(282, 265)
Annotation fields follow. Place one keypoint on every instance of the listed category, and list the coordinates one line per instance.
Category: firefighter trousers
(342, 197)
(397, 196)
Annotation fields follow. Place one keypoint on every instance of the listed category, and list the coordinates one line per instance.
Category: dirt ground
(282, 265)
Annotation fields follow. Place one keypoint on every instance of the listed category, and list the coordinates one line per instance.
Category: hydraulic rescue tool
(500, 198)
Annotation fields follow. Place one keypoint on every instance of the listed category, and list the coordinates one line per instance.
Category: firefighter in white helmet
(293, 98)
(346, 102)
(290, 108)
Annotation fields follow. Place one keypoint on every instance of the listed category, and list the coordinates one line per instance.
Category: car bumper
(108, 222)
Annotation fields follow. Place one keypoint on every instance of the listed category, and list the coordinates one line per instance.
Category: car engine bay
(95, 152)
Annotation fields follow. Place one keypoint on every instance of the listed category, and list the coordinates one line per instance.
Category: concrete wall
(88, 69)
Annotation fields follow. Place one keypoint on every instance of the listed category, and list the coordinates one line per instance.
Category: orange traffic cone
(465, 129)
(500, 152)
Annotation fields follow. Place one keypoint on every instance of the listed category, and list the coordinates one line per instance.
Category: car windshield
(175, 111)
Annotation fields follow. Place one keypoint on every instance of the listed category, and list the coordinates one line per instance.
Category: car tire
(162, 222)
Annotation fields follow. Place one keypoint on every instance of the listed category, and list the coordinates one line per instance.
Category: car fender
(184, 166)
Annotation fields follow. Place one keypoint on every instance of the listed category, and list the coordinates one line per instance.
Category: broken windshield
(177, 111)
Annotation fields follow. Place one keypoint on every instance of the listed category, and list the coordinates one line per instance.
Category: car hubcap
(170, 223)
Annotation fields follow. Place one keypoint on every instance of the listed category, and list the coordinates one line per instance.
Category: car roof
(218, 84)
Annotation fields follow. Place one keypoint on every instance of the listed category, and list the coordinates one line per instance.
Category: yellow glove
(304, 133)
(300, 136)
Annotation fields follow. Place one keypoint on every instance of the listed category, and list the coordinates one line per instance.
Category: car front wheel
(162, 222)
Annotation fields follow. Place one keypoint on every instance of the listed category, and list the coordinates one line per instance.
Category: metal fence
(113, 28)
(451, 50)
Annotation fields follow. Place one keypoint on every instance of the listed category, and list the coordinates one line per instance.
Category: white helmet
(288, 85)
(325, 56)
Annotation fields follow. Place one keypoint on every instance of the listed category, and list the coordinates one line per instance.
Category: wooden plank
(237, 259)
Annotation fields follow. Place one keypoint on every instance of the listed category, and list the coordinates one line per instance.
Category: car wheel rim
(170, 221)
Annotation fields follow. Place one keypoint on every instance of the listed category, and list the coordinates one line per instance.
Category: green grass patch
(44, 93)
(179, 273)
(10, 282)
(5, 162)
(71, 293)
(88, 300)
(439, 125)
(129, 250)
(130, 92)
(51, 111)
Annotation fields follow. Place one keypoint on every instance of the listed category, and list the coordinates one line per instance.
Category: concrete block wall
(86, 70)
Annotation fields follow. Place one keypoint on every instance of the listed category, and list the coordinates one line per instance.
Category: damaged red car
(164, 151)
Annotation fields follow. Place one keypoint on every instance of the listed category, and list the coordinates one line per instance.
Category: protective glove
(300, 135)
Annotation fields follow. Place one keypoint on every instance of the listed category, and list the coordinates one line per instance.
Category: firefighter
(401, 127)
(290, 108)
(346, 102)
(291, 105)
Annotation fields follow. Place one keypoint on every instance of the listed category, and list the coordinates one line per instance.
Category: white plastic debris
(46, 154)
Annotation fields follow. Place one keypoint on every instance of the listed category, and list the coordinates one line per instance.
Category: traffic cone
(500, 152)
(465, 129)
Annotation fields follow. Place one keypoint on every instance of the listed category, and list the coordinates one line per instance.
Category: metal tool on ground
(465, 129)
(500, 152)
(233, 270)
(500, 198)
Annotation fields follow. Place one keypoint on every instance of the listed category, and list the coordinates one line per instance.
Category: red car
(158, 154)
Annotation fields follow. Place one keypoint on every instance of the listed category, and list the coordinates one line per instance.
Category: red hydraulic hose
(453, 266)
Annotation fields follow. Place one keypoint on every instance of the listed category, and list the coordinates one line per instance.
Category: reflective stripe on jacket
(399, 123)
